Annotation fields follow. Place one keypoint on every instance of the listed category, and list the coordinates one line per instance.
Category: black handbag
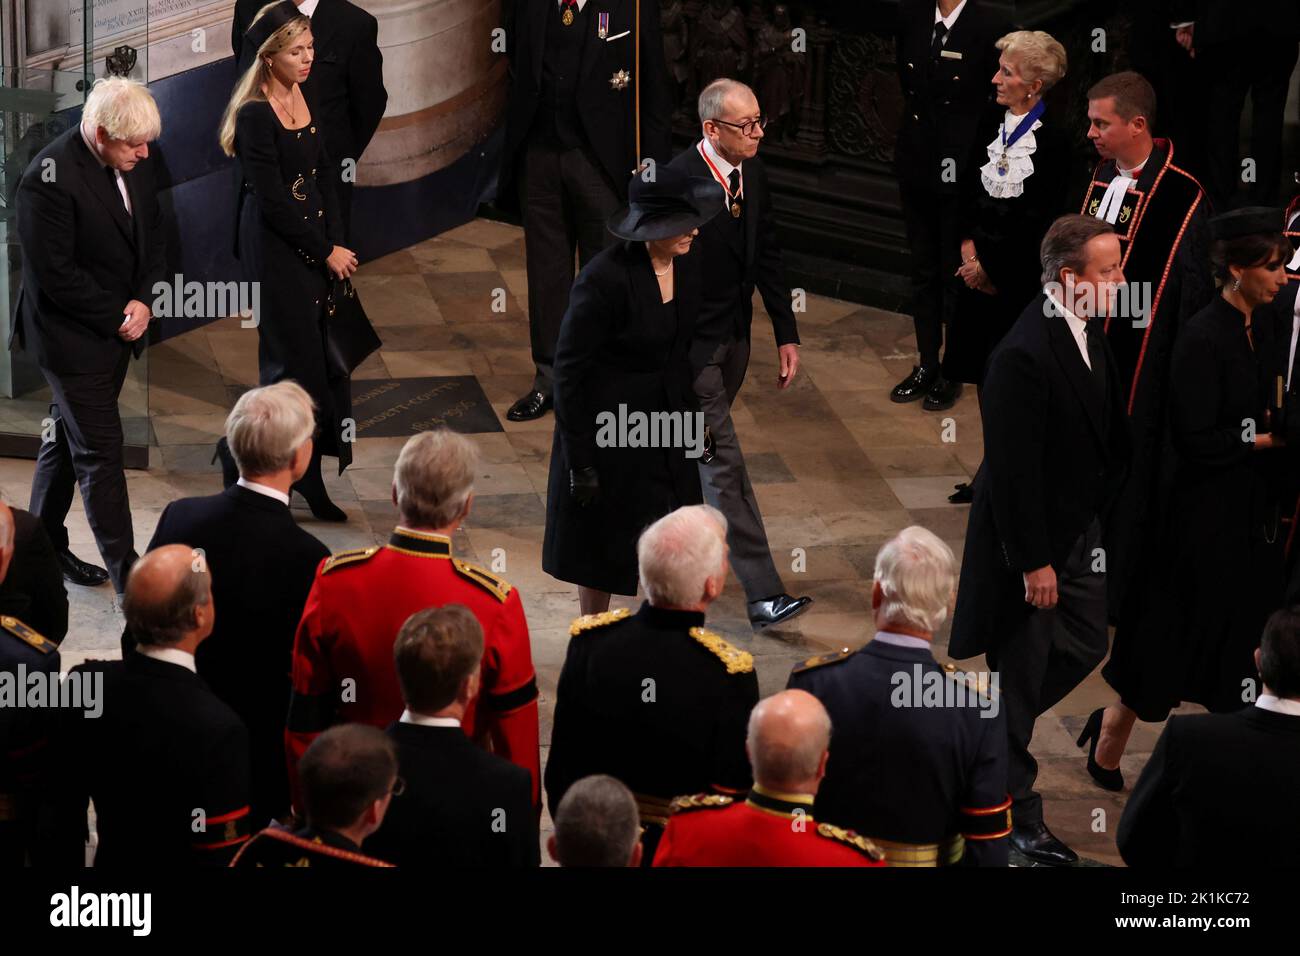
(350, 339)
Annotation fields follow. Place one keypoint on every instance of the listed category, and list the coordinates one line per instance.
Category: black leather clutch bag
(349, 337)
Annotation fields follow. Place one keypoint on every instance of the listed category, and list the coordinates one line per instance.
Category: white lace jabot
(1020, 165)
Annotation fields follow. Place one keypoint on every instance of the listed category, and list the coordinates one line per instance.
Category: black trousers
(1262, 68)
(725, 480)
(1047, 657)
(931, 221)
(87, 449)
(566, 199)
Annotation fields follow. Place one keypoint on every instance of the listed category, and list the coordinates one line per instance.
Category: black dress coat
(1007, 233)
(1220, 556)
(620, 344)
(1055, 454)
(84, 257)
(262, 565)
(605, 109)
(288, 223)
(1215, 785)
(462, 806)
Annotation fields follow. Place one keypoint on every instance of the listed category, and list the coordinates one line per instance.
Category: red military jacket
(343, 669)
(766, 829)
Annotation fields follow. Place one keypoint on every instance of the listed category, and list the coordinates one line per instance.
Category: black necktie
(112, 184)
(733, 183)
(936, 45)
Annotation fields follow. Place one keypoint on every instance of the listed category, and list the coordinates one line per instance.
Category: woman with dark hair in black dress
(1221, 573)
(289, 231)
(624, 342)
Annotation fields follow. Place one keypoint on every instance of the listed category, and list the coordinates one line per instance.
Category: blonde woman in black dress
(289, 228)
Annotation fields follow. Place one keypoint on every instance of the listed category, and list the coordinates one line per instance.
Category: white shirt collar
(1078, 328)
(279, 496)
(716, 159)
(172, 655)
(90, 145)
(951, 18)
(581, 3)
(308, 7)
(901, 640)
(420, 720)
(1135, 171)
(1279, 705)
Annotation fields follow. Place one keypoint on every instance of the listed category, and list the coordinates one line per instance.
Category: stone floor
(837, 470)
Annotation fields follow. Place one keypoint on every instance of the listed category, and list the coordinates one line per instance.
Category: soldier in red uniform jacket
(343, 667)
(788, 741)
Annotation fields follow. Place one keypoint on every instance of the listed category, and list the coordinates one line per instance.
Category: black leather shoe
(1112, 780)
(1037, 843)
(76, 571)
(776, 610)
(962, 493)
(915, 385)
(532, 406)
(942, 395)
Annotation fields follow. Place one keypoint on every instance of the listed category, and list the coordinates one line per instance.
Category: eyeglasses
(399, 787)
(747, 128)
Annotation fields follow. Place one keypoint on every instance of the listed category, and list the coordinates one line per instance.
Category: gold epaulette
(499, 588)
(701, 801)
(834, 657)
(351, 556)
(589, 621)
(849, 838)
(737, 661)
(969, 679)
(24, 633)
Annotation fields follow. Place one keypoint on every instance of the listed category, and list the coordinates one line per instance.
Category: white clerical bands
(1114, 198)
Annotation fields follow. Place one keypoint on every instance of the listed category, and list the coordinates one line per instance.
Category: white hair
(125, 108)
(915, 573)
(679, 552)
(714, 97)
(434, 477)
(268, 425)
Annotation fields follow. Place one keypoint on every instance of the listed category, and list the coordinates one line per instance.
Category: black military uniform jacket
(23, 735)
(926, 782)
(655, 700)
(944, 97)
(166, 763)
(33, 589)
(321, 849)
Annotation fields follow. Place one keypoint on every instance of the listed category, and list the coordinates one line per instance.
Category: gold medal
(567, 17)
(735, 210)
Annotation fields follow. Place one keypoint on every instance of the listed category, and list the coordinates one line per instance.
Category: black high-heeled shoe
(1112, 780)
(312, 488)
(229, 470)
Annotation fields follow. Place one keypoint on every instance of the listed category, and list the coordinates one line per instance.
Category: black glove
(584, 485)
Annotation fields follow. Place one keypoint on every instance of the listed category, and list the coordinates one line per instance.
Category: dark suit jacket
(345, 88)
(725, 311)
(84, 257)
(905, 773)
(943, 100)
(608, 115)
(262, 567)
(163, 748)
(1215, 785)
(1047, 472)
(462, 807)
(33, 589)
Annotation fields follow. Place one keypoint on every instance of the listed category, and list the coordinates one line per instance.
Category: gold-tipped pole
(636, 82)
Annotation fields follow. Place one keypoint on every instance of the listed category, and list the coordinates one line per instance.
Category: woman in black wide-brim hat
(623, 350)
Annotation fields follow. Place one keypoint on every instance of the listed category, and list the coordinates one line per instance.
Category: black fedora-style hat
(670, 204)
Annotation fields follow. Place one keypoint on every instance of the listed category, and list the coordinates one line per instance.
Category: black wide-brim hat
(669, 204)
